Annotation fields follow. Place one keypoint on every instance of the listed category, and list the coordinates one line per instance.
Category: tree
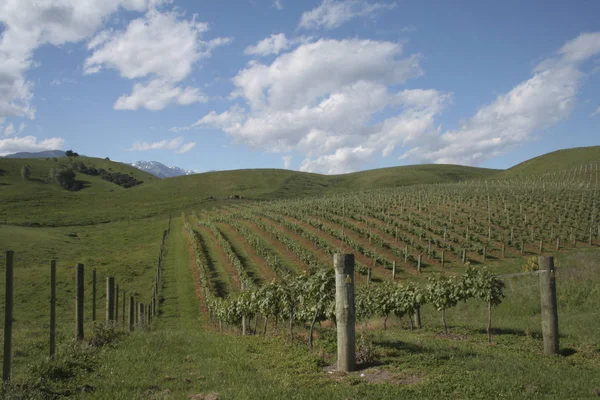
(65, 177)
(71, 153)
(25, 172)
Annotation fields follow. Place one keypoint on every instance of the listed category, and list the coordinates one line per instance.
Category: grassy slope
(555, 161)
(184, 356)
(38, 202)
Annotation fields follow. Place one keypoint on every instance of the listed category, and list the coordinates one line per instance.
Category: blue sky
(327, 86)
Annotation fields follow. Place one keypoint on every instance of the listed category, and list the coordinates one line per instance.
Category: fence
(140, 314)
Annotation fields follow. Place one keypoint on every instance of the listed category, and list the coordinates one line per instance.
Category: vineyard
(439, 244)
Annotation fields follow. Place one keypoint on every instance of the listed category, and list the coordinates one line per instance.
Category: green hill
(555, 161)
(39, 202)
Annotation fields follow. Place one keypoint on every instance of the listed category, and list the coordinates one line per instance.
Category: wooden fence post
(131, 313)
(52, 307)
(345, 311)
(116, 304)
(243, 287)
(80, 290)
(110, 299)
(368, 276)
(123, 309)
(394, 270)
(548, 304)
(8, 317)
(141, 319)
(94, 295)
(442, 260)
(419, 264)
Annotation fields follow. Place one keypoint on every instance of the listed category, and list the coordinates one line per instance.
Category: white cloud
(157, 94)
(331, 14)
(315, 69)
(158, 46)
(29, 143)
(29, 24)
(274, 44)
(597, 112)
(61, 81)
(173, 144)
(9, 130)
(186, 147)
(278, 5)
(515, 117)
(297, 104)
(287, 162)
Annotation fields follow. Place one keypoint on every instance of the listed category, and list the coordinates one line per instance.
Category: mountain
(161, 170)
(40, 154)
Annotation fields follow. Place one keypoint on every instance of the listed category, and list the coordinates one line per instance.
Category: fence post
(79, 301)
(52, 307)
(394, 270)
(419, 264)
(345, 311)
(94, 295)
(548, 304)
(123, 309)
(116, 304)
(131, 313)
(110, 299)
(141, 316)
(8, 317)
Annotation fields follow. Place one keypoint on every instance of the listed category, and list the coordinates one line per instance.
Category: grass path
(180, 357)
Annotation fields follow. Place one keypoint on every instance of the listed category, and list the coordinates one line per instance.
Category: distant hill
(555, 161)
(39, 154)
(161, 170)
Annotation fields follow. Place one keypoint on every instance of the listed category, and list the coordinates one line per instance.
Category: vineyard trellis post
(123, 309)
(116, 304)
(52, 307)
(79, 293)
(548, 304)
(345, 311)
(8, 317)
(394, 270)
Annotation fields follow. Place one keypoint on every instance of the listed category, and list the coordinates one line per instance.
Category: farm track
(195, 270)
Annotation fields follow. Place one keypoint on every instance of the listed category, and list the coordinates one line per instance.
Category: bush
(25, 172)
(104, 334)
(65, 177)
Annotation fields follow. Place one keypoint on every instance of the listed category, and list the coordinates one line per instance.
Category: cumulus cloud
(274, 44)
(29, 24)
(325, 100)
(278, 5)
(157, 94)
(158, 46)
(597, 112)
(331, 14)
(516, 116)
(177, 144)
(29, 143)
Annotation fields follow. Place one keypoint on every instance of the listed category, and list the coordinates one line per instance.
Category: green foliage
(531, 265)
(65, 177)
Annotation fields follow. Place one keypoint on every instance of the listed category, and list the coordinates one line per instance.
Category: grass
(183, 355)
(117, 231)
(555, 161)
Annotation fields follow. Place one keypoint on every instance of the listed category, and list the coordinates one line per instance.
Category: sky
(326, 86)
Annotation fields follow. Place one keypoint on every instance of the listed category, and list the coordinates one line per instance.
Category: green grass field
(118, 232)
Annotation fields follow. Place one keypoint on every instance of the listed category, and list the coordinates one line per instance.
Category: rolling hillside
(37, 202)
(555, 161)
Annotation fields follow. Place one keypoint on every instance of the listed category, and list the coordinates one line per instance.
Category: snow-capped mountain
(161, 170)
